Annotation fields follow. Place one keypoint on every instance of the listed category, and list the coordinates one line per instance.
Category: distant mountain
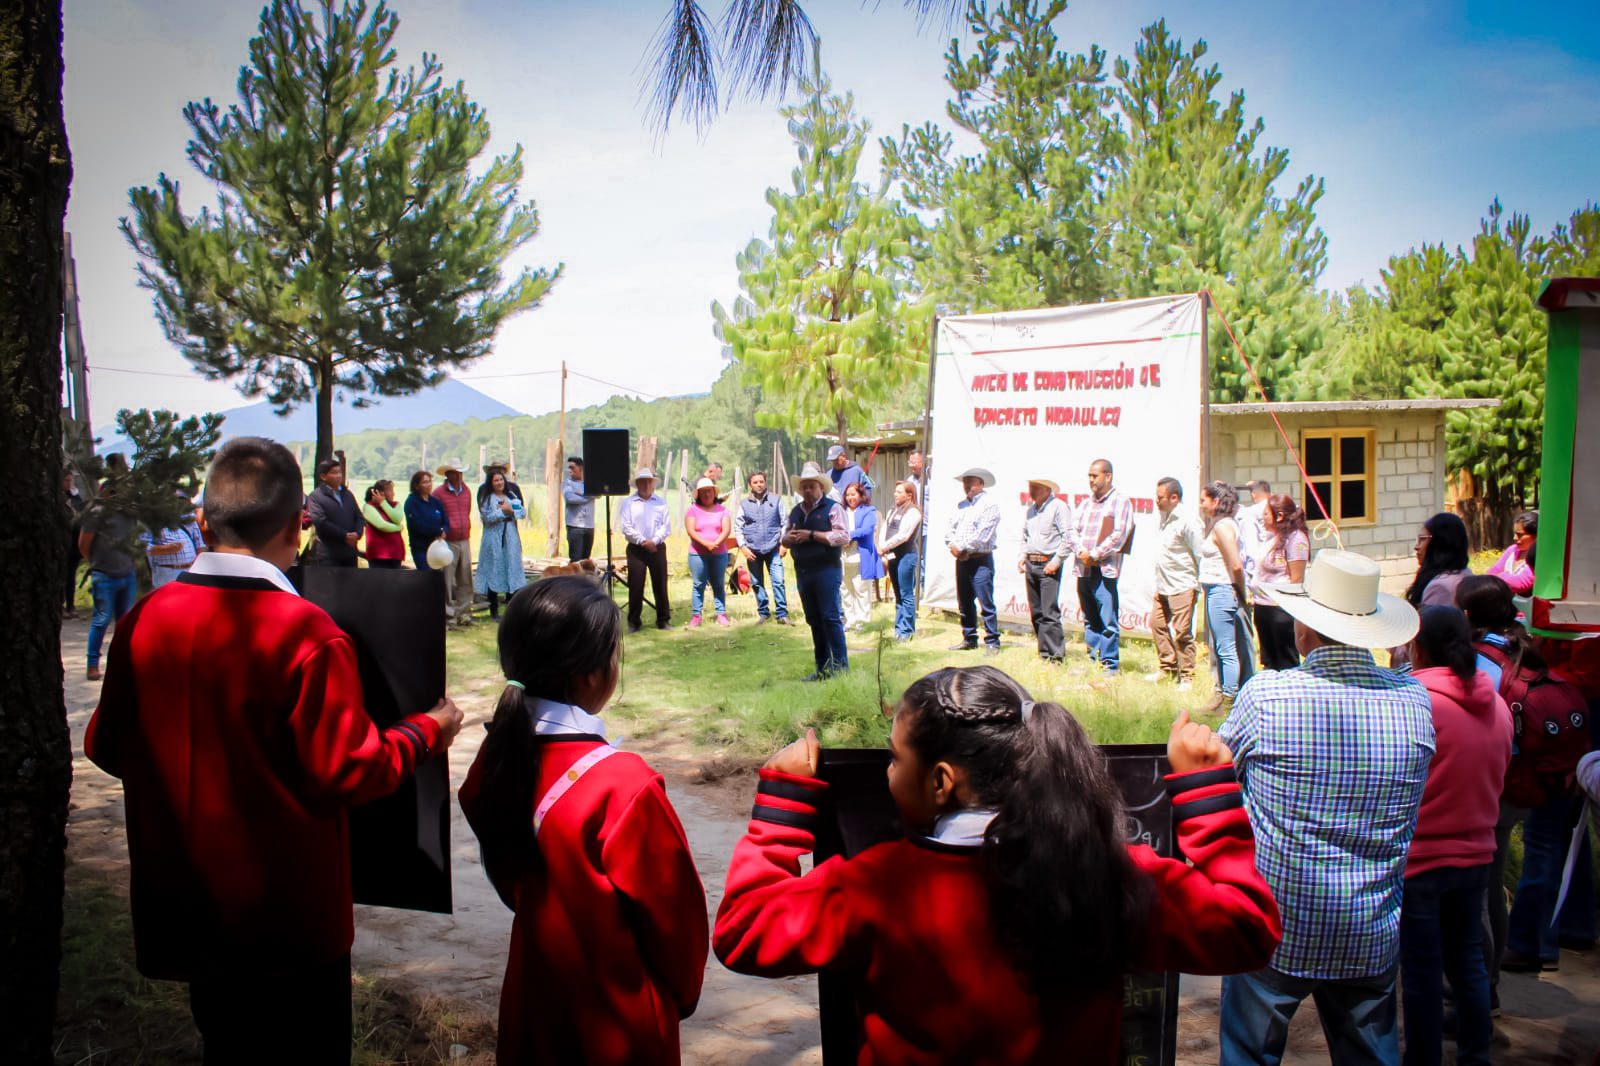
(449, 401)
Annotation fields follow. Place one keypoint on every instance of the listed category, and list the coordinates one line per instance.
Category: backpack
(1550, 730)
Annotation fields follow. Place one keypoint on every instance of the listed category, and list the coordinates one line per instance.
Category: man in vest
(456, 496)
(814, 535)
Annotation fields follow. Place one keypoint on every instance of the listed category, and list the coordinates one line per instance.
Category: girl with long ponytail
(1000, 927)
(608, 946)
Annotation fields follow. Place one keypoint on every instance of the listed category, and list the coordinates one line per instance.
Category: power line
(146, 373)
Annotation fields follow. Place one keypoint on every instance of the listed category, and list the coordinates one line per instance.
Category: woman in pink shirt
(1288, 548)
(708, 525)
(1515, 565)
(1447, 868)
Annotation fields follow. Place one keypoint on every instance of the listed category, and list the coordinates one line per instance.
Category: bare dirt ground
(1550, 1019)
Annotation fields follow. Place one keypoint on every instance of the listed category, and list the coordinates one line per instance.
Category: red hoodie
(1461, 800)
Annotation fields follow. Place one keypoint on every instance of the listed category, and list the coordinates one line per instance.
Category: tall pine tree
(351, 246)
(830, 331)
(1193, 204)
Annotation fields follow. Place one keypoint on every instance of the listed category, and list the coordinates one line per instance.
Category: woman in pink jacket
(1447, 870)
(1515, 565)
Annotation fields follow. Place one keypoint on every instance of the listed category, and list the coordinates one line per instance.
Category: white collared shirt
(233, 564)
(964, 828)
(564, 719)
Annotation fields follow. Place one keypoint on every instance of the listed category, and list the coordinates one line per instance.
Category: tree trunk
(324, 411)
(35, 749)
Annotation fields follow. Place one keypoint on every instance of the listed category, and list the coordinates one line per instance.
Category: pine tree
(1017, 215)
(1383, 340)
(1192, 204)
(831, 332)
(168, 455)
(351, 247)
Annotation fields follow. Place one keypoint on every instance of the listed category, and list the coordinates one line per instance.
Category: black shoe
(1576, 943)
(1512, 962)
(963, 646)
(634, 627)
(1053, 660)
(820, 675)
(663, 623)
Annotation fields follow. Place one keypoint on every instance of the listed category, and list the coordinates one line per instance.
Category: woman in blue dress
(500, 550)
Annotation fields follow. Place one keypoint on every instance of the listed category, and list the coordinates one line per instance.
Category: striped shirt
(1332, 758)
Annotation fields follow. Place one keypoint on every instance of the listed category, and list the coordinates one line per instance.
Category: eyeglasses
(1423, 538)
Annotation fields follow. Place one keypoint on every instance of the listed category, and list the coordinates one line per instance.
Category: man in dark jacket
(336, 516)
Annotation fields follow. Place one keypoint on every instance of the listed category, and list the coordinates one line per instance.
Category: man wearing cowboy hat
(456, 498)
(1046, 543)
(814, 535)
(971, 538)
(1331, 758)
(645, 526)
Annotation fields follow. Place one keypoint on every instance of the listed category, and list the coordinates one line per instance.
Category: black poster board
(399, 844)
(858, 812)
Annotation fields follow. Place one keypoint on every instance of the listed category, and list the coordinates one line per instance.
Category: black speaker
(605, 463)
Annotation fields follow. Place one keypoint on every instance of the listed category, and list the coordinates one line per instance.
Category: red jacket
(608, 947)
(908, 922)
(458, 508)
(232, 711)
(1461, 798)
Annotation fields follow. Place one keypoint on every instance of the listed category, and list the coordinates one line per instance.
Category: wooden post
(563, 429)
(554, 462)
(683, 489)
(511, 453)
(647, 452)
(483, 457)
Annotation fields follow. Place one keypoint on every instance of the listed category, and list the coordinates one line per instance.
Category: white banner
(1042, 394)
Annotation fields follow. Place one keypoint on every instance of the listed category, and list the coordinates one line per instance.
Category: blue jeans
(1229, 636)
(1531, 933)
(903, 576)
(1441, 934)
(819, 598)
(1102, 622)
(975, 593)
(1357, 1014)
(703, 568)
(772, 562)
(113, 598)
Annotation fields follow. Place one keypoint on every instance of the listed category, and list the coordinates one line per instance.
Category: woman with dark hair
(1000, 929)
(1222, 578)
(861, 565)
(385, 546)
(1450, 863)
(499, 571)
(1287, 550)
(425, 518)
(1515, 565)
(897, 547)
(1441, 561)
(608, 947)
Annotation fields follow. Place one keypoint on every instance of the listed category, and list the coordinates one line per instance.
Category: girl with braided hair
(999, 929)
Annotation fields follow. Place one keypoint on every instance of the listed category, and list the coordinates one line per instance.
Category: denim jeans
(772, 563)
(1230, 639)
(975, 593)
(580, 542)
(703, 568)
(903, 575)
(819, 598)
(113, 598)
(1441, 934)
(1546, 835)
(1357, 1015)
(1102, 621)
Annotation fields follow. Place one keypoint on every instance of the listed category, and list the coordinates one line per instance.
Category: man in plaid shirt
(1331, 758)
(1100, 532)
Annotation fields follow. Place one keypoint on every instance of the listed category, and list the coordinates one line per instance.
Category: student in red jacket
(1000, 930)
(1447, 868)
(232, 711)
(608, 947)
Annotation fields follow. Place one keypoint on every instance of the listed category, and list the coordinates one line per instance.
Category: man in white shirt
(971, 539)
(646, 526)
(1253, 539)
(1177, 585)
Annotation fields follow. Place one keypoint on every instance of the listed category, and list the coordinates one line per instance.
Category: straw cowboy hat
(1340, 599)
(704, 483)
(449, 465)
(1047, 483)
(643, 474)
(811, 472)
(978, 472)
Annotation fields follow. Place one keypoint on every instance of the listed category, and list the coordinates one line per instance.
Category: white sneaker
(1185, 685)
(1153, 677)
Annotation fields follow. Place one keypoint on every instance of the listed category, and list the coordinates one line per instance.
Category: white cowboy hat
(811, 472)
(643, 474)
(1340, 600)
(449, 465)
(704, 483)
(978, 472)
(1047, 483)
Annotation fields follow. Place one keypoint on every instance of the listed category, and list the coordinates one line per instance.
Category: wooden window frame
(1334, 435)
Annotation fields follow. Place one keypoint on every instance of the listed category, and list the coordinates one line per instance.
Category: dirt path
(460, 957)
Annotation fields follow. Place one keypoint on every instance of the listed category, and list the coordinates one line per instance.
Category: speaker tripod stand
(609, 576)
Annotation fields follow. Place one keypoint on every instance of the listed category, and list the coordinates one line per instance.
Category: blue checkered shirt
(1332, 758)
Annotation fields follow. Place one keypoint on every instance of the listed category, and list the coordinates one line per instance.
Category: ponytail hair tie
(516, 685)
(1027, 711)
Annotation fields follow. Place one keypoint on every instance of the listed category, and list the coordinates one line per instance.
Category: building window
(1342, 470)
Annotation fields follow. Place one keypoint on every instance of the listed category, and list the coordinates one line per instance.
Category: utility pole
(563, 405)
(77, 401)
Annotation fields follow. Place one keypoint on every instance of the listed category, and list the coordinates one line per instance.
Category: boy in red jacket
(232, 711)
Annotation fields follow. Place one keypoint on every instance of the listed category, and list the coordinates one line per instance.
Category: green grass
(736, 693)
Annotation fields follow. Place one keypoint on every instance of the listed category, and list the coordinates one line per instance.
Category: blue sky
(1416, 116)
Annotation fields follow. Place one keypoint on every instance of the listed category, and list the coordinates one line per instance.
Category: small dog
(581, 568)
